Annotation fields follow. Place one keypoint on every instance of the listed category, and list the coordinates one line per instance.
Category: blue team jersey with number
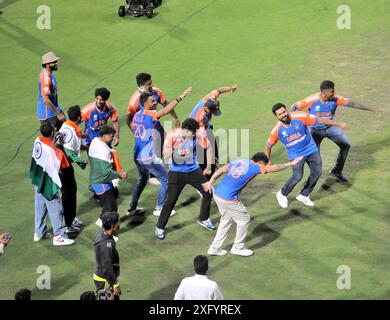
(183, 158)
(238, 175)
(145, 133)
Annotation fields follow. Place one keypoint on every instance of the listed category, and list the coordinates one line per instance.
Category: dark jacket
(107, 257)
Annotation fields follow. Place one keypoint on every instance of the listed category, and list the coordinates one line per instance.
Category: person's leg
(109, 201)
(318, 135)
(56, 214)
(338, 136)
(315, 164)
(158, 169)
(224, 223)
(294, 179)
(196, 179)
(241, 217)
(69, 195)
(176, 183)
(143, 176)
(40, 228)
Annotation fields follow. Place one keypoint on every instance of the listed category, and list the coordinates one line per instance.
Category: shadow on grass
(38, 47)
(270, 230)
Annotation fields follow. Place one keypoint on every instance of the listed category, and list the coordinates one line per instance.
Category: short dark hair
(326, 84)
(23, 294)
(190, 124)
(141, 78)
(277, 106)
(74, 113)
(109, 219)
(88, 296)
(106, 130)
(46, 129)
(260, 156)
(201, 264)
(144, 97)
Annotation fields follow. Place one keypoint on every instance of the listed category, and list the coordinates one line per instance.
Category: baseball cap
(213, 105)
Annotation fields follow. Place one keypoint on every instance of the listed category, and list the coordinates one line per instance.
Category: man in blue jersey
(96, 115)
(226, 196)
(146, 135)
(180, 147)
(48, 108)
(324, 104)
(292, 130)
(203, 113)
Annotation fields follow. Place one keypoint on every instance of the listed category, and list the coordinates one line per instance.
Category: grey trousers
(231, 212)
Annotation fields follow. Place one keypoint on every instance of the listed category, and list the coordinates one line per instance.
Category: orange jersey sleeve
(45, 83)
(264, 168)
(307, 102)
(161, 95)
(342, 101)
(307, 118)
(86, 111)
(274, 135)
(133, 106)
(212, 95)
(114, 114)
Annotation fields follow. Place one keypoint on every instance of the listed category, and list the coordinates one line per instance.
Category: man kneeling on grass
(226, 196)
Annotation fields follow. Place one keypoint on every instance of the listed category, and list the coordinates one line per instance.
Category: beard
(53, 68)
(286, 119)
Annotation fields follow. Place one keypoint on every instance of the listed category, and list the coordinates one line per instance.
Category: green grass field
(275, 51)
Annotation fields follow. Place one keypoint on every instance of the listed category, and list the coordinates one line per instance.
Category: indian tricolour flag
(45, 165)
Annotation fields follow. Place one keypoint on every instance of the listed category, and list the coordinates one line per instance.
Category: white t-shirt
(198, 287)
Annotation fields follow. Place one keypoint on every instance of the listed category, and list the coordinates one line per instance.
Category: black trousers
(108, 200)
(176, 182)
(202, 153)
(69, 194)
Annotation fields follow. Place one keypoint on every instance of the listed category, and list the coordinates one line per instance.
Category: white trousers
(231, 212)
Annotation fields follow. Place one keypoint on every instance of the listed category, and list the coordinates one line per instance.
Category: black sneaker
(338, 176)
(132, 211)
(72, 230)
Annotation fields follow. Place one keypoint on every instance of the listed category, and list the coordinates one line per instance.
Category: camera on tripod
(139, 8)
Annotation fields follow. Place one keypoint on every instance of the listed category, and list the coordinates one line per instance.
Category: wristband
(178, 99)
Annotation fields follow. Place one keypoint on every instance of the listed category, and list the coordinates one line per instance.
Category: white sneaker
(62, 241)
(200, 194)
(157, 212)
(241, 252)
(305, 200)
(154, 181)
(99, 223)
(39, 238)
(116, 239)
(282, 200)
(216, 252)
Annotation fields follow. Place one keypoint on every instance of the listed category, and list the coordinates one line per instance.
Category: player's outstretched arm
(173, 104)
(232, 88)
(280, 167)
(328, 122)
(357, 105)
(209, 184)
